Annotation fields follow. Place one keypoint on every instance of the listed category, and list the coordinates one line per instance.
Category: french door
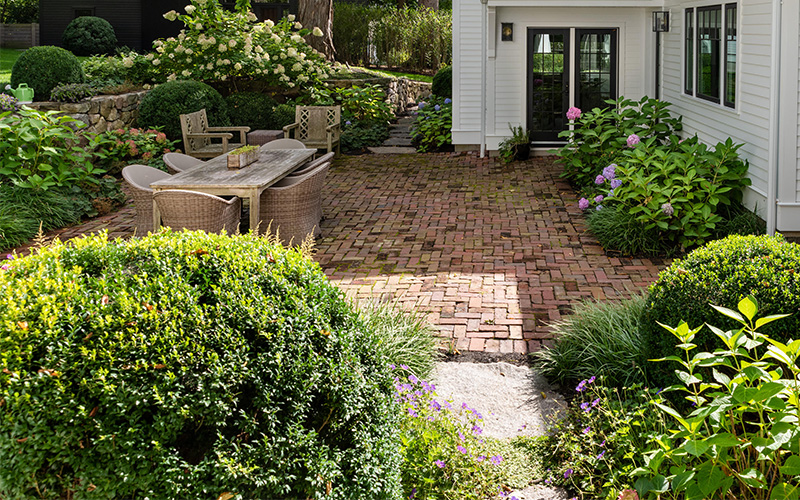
(567, 67)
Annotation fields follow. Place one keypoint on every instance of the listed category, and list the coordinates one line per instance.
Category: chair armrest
(331, 127)
(217, 135)
(243, 130)
(289, 127)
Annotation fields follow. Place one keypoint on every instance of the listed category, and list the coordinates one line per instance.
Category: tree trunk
(431, 4)
(318, 14)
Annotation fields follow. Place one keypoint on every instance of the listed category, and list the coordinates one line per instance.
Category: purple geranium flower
(633, 140)
(496, 459)
(568, 473)
(583, 204)
(439, 464)
(598, 207)
(461, 449)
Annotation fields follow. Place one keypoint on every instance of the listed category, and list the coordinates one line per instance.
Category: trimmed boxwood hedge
(162, 107)
(722, 273)
(44, 67)
(184, 366)
(89, 35)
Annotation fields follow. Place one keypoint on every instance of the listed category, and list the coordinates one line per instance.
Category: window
(710, 53)
(83, 11)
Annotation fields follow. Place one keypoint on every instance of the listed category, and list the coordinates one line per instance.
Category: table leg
(255, 209)
(156, 218)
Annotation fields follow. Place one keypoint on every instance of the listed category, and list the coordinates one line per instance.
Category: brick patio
(491, 252)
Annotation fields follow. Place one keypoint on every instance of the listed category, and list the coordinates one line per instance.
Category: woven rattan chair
(178, 162)
(317, 126)
(138, 179)
(292, 207)
(198, 211)
(308, 167)
(197, 136)
(284, 144)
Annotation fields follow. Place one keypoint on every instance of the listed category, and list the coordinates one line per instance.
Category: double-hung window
(710, 53)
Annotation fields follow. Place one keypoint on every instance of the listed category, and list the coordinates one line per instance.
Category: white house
(730, 68)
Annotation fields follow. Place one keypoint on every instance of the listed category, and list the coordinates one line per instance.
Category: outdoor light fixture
(507, 32)
(660, 21)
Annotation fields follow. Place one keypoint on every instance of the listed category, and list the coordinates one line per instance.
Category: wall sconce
(660, 21)
(507, 32)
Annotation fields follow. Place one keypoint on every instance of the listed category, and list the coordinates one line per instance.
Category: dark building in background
(136, 22)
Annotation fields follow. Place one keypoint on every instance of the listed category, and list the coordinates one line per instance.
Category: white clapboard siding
(466, 71)
(748, 124)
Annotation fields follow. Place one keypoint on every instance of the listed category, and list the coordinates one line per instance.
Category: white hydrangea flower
(279, 69)
(171, 15)
(160, 50)
(188, 59)
(149, 56)
(283, 55)
(182, 36)
(219, 62)
(156, 62)
(186, 72)
(265, 57)
(222, 47)
(297, 38)
(251, 17)
(147, 86)
(232, 43)
(276, 37)
(290, 17)
(302, 78)
(223, 77)
(171, 56)
(298, 26)
(189, 9)
(198, 26)
(297, 67)
(301, 56)
(292, 52)
(227, 62)
(212, 40)
(158, 43)
(259, 49)
(316, 31)
(209, 66)
(189, 51)
(179, 49)
(201, 2)
(269, 23)
(291, 84)
(237, 66)
(126, 62)
(171, 77)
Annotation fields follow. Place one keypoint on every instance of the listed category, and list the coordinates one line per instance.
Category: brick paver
(491, 252)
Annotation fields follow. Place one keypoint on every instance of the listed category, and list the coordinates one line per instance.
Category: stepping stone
(397, 141)
(397, 150)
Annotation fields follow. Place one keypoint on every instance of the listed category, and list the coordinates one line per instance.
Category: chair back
(178, 162)
(194, 123)
(141, 176)
(314, 121)
(284, 144)
(293, 205)
(191, 210)
(308, 167)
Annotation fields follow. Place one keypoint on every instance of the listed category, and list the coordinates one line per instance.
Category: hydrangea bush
(431, 129)
(217, 45)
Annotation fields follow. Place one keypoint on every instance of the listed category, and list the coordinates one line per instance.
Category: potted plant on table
(518, 146)
(243, 156)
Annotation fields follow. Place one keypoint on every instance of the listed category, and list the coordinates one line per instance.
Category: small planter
(239, 158)
(521, 151)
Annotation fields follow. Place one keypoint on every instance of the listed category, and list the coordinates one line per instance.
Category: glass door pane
(596, 69)
(548, 83)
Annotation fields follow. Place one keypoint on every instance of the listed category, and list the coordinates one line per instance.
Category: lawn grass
(398, 74)
(7, 59)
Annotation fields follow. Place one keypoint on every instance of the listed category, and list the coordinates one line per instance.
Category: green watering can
(23, 93)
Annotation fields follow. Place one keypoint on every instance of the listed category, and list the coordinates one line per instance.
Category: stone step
(389, 150)
(397, 141)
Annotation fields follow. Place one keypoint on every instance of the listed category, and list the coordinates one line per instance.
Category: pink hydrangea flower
(633, 140)
(573, 113)
(583, 204)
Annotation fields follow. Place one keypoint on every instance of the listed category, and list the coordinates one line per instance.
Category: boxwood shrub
(722, 273)
(443, 82)
(89, 35)
(188, 366)
(161, 107)
(251, 109)
(44, 67)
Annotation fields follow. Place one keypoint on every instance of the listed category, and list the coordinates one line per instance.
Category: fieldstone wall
(100, 113)
(401, 93)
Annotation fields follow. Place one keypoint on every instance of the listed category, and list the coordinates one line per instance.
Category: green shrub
(596, 445)
(364, 104)
(192, 365)
(722, 273)
(598, 339)
(161, 107)
(600, 136)
(114, 149)
(251, 109)
(282, 115)
(737, 219)
(72, 92)
(44, 67)
(740, 438)
(431, 128)
(40, 150)
(357, 136)
(405, 337)
(443, 82)
(418, 40)
(618, 231)
(103, 68)
(88, 36)
(351, 30)
(20, 12)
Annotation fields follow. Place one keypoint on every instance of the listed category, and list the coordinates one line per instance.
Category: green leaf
(767, 390)
(748, 307)
(769, 319)
(729, 313)
(681, 481)
(709, 478)
(724, 439)
(791, 467)
(784, 491)
(695, 447)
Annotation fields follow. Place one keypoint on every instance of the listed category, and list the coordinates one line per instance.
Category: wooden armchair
(317, 126)
(197, 136)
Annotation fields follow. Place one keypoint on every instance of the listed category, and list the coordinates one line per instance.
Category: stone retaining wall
(401, 93)
(101, 113)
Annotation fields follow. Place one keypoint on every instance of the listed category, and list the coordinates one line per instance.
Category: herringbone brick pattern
(491, 252)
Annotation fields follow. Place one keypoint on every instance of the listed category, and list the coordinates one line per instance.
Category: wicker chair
(293, 205)
(198, 211)
(178, 162)
(197, 136)
(138, 179)
(308, 167)
(284, 144)
(317, 126)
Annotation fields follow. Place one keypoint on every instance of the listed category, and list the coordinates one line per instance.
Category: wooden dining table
(214, 177)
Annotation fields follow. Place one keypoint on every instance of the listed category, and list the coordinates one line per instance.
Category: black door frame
(548, 137)
(613, 62)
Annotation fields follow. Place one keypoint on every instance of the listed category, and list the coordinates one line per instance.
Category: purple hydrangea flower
(448, 100)
(667, 209)
(610, 171)
(348, 122)
(598, 199)
(633, 140)
(573, 113)
(437, 107)
(439, 464)
(421, 105)
(583, 204)
(615, 183)
(599, 207)
(599, 180)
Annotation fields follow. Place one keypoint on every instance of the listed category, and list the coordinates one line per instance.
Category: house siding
(467, 71)
(749, 122)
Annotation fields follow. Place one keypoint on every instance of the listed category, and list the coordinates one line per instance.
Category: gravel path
(512, 399)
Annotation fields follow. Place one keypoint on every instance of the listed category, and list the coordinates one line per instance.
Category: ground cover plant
(194, 366)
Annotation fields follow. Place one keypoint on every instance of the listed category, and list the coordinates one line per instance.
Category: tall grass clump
(617, 230)
(599, 339)
(405, 337)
